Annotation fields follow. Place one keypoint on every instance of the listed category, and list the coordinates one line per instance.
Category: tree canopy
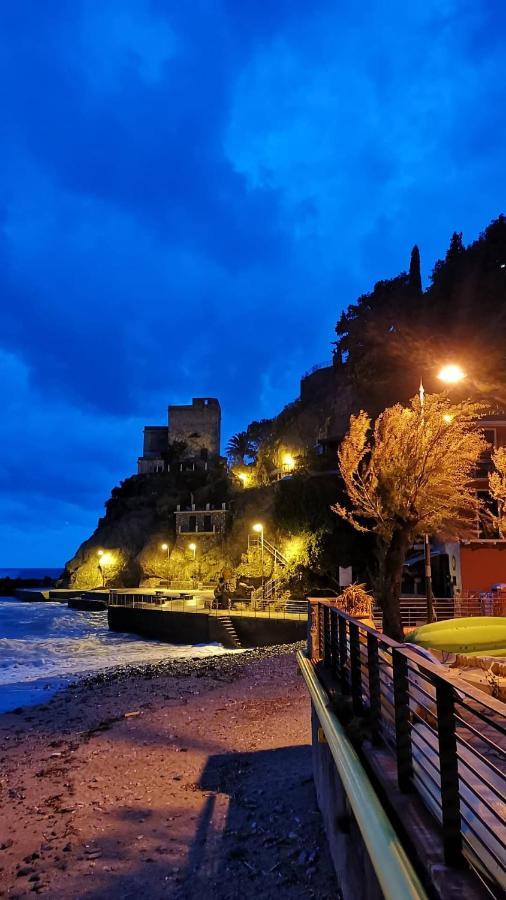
(397, 332)
(407, 475)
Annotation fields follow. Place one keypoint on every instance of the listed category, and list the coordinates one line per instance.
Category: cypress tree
(415, 278)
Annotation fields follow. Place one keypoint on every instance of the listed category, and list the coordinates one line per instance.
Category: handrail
(395, 874)
(426, 717)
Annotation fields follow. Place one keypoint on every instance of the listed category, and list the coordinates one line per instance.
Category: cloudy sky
(189, 195)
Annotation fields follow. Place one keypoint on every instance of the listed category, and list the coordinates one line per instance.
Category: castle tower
(198, 425)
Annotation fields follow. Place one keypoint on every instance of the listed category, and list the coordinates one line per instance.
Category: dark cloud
(189, 194)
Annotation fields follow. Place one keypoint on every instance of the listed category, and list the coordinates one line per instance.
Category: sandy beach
(183, 779)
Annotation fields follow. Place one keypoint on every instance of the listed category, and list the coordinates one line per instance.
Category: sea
(45, 646)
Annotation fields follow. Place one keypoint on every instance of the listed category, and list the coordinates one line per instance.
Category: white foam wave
(49, 640)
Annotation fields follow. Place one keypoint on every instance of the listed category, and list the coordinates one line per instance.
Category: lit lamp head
(164, 547)
(193, 548)
(105, 559)
(258, 528)
(100, 553)
(243, 478)
(451, 374)
(288, 461)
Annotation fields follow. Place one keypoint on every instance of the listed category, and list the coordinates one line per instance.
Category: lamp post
(193, 548)
(259, 529)
(166, 549)
(451, 373)
(103, 560)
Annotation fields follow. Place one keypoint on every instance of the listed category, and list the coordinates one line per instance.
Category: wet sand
(183, 779)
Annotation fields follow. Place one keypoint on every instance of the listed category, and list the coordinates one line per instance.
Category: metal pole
(168, 558)
(426, 540)
(262, 553)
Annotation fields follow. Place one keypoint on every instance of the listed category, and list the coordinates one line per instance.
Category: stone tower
(198, 425)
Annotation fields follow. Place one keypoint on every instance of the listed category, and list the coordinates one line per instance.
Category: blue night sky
(189, 195)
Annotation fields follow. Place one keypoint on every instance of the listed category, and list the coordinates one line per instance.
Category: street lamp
(166, 549)
(193, 548)
(103, 560)
(259, 529)
(451, 373)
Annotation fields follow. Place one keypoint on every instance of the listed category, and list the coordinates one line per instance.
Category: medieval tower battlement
(198, 425)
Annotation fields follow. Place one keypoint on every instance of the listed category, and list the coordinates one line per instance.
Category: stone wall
(155, 440)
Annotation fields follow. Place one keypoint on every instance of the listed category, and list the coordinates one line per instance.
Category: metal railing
(199, 603)
(448, 738)
(258, 542)
(393, 869)
(414, 609)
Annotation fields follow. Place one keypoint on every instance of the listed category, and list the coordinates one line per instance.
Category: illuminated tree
(497, 485)
(407, 476)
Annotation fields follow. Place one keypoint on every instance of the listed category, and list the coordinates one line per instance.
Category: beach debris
(133, 714)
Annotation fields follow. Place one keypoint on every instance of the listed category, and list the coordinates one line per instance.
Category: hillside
(384, 343)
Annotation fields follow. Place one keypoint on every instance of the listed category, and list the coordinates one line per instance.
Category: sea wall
(199, 628)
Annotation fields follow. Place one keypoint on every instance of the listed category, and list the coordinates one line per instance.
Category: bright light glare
(105, 559)
(451, 374)
(165, 547)
(243, 477)
(192, 547)
(258, 528)
(447, 418)
(288, 461)
(100, 552)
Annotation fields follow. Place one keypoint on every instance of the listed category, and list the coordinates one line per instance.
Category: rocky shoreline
(184, 778)
(221, 667)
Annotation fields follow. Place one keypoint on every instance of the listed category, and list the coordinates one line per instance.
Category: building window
(192, 523)
(208, 523)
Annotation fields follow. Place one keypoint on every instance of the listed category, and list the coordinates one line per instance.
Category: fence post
(449, 772)
(343, 654)
(356, 669)
(327, 659)
(402, 725)
(334, 643)
(314, 631)
(374, 687)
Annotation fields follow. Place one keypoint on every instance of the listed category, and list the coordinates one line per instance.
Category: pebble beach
(185, 778)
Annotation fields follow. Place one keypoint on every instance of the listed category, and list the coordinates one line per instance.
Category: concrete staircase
(225, 631)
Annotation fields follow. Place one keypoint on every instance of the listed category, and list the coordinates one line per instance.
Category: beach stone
(24, 871)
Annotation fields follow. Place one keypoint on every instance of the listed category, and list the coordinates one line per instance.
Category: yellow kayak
(472, 634)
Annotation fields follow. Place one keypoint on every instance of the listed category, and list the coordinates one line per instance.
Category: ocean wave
(49, 640)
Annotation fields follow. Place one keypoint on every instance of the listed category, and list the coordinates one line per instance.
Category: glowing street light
(451, 374)
(193, 548)
(104, 559)
(288, 462)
